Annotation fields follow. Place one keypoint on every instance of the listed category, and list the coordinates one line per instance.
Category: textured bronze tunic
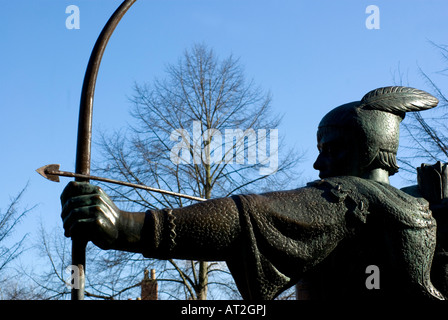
(327, 232)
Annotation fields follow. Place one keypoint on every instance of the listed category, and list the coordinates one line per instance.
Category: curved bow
(83, 150)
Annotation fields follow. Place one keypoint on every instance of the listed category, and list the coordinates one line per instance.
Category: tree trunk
(201, 291)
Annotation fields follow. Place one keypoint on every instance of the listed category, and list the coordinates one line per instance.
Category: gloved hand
(88, 213)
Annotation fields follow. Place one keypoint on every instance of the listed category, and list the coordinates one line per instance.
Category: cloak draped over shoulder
(329, 230)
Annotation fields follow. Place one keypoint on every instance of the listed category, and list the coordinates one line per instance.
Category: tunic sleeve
(204, 231)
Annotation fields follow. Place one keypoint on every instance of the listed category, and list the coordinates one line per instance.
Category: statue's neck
(379, 175)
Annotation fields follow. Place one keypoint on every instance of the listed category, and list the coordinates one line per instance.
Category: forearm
(204, 231)
(131, 226)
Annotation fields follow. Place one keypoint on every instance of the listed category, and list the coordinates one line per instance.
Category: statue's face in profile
(338, 154)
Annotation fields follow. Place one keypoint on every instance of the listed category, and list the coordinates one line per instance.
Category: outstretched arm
(207, 230)
(267, 240)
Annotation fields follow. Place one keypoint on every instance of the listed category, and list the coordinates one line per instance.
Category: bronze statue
(328, 231)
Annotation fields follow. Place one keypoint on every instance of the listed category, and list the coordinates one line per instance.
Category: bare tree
(9, 220)
(204, 130)
(428, 132)
(10, 282)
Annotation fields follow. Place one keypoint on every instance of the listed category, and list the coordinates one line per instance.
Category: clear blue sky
(311, 55)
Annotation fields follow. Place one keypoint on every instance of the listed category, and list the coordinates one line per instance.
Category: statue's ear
(398, 100)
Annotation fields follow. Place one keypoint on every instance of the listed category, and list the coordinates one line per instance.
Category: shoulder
(372, 189)
(343, 186)
(405, 207)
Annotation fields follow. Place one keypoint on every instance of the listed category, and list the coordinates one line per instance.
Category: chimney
(149, 286)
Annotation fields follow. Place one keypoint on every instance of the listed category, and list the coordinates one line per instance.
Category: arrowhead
(46, 171)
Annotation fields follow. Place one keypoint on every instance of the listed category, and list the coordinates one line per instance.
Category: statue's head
(358, 137)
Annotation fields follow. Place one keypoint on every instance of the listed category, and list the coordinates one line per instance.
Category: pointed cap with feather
(398, 100)
(374, 121)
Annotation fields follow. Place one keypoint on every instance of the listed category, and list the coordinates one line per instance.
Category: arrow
(52, 173)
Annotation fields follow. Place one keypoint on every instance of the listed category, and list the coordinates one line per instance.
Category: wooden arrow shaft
(60, 173)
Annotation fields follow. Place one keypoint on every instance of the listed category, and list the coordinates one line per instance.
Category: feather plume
(398, 100)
